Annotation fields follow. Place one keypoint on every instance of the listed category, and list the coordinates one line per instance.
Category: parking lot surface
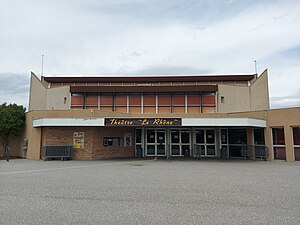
(149, 192)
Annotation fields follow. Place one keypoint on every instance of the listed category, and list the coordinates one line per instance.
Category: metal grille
(255, 152)
(57, 151)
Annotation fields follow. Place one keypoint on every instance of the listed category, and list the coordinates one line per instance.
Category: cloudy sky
(150, 37)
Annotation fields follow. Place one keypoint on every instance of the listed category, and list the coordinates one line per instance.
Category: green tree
(12, 120)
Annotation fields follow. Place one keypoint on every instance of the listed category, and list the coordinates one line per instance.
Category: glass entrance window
(200, 142)
(185, 149)
(160, 137)
(175, 136)
(259, 142)
(155, 142)
(224, 142)
(150, 149)
(180, 141)
(185, 142)
(185, 136)
(259, 137)
(175, 142)
(205, 142)
(200, 136)
(138, 136)
(175, 150)
(237, 136)
(210, 150)
(210, 142)
(237, 139)
(150, 136)
(160, 142)
(138, 141)
(161, 149)
(210, 136)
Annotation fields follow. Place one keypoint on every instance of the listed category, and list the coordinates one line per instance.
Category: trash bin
(223, 153)
(139, 152)
(186, 153)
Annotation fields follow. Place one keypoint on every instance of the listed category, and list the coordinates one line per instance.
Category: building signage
(143, 122)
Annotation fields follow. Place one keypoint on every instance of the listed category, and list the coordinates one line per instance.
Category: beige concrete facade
(232, 96)
(240, 98)
(234, 99)
(34, 138)
(286, 118)
(259, 93)
(42, 98)
(58, 98)
(230, 101)
(37, 94)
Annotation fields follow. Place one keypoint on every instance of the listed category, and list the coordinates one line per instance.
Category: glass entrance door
(155, 142)
(175, 142)
(180, 142)
(205, 142)
(160, 142)
(210, 143)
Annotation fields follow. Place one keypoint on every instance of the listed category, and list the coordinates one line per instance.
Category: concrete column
(269, 142)
(143, 141)
(217, 141)
(34, 137)
(193, 139)
(289, 147)
(168, 143)
(250, 142)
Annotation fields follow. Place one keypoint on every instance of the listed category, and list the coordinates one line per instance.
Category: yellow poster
(78, 140)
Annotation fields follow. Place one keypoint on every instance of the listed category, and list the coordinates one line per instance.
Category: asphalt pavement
(149, 192)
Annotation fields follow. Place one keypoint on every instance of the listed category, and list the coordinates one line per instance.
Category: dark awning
(145, 79)
(185, 88)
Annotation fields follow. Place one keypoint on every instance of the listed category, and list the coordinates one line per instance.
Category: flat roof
(141, 79)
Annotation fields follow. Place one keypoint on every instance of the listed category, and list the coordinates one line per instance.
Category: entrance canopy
(100, 122)
(220, 122)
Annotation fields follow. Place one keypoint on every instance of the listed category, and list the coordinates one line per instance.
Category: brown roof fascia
(150, 79)
(189, 88)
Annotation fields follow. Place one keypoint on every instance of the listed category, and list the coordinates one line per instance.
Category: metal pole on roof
(255, 64)
(42, 73)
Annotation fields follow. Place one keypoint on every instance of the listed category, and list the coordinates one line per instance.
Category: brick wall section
(93, 141)
(101, 152)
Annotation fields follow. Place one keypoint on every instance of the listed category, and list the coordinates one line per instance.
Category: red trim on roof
(189, 88)
(150, 79)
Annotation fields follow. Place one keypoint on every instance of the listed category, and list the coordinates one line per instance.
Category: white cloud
(88, 37)
(14, 88)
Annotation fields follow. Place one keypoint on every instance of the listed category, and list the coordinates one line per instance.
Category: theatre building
(160, 116)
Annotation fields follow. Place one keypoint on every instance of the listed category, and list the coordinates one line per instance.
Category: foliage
(12, 120)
